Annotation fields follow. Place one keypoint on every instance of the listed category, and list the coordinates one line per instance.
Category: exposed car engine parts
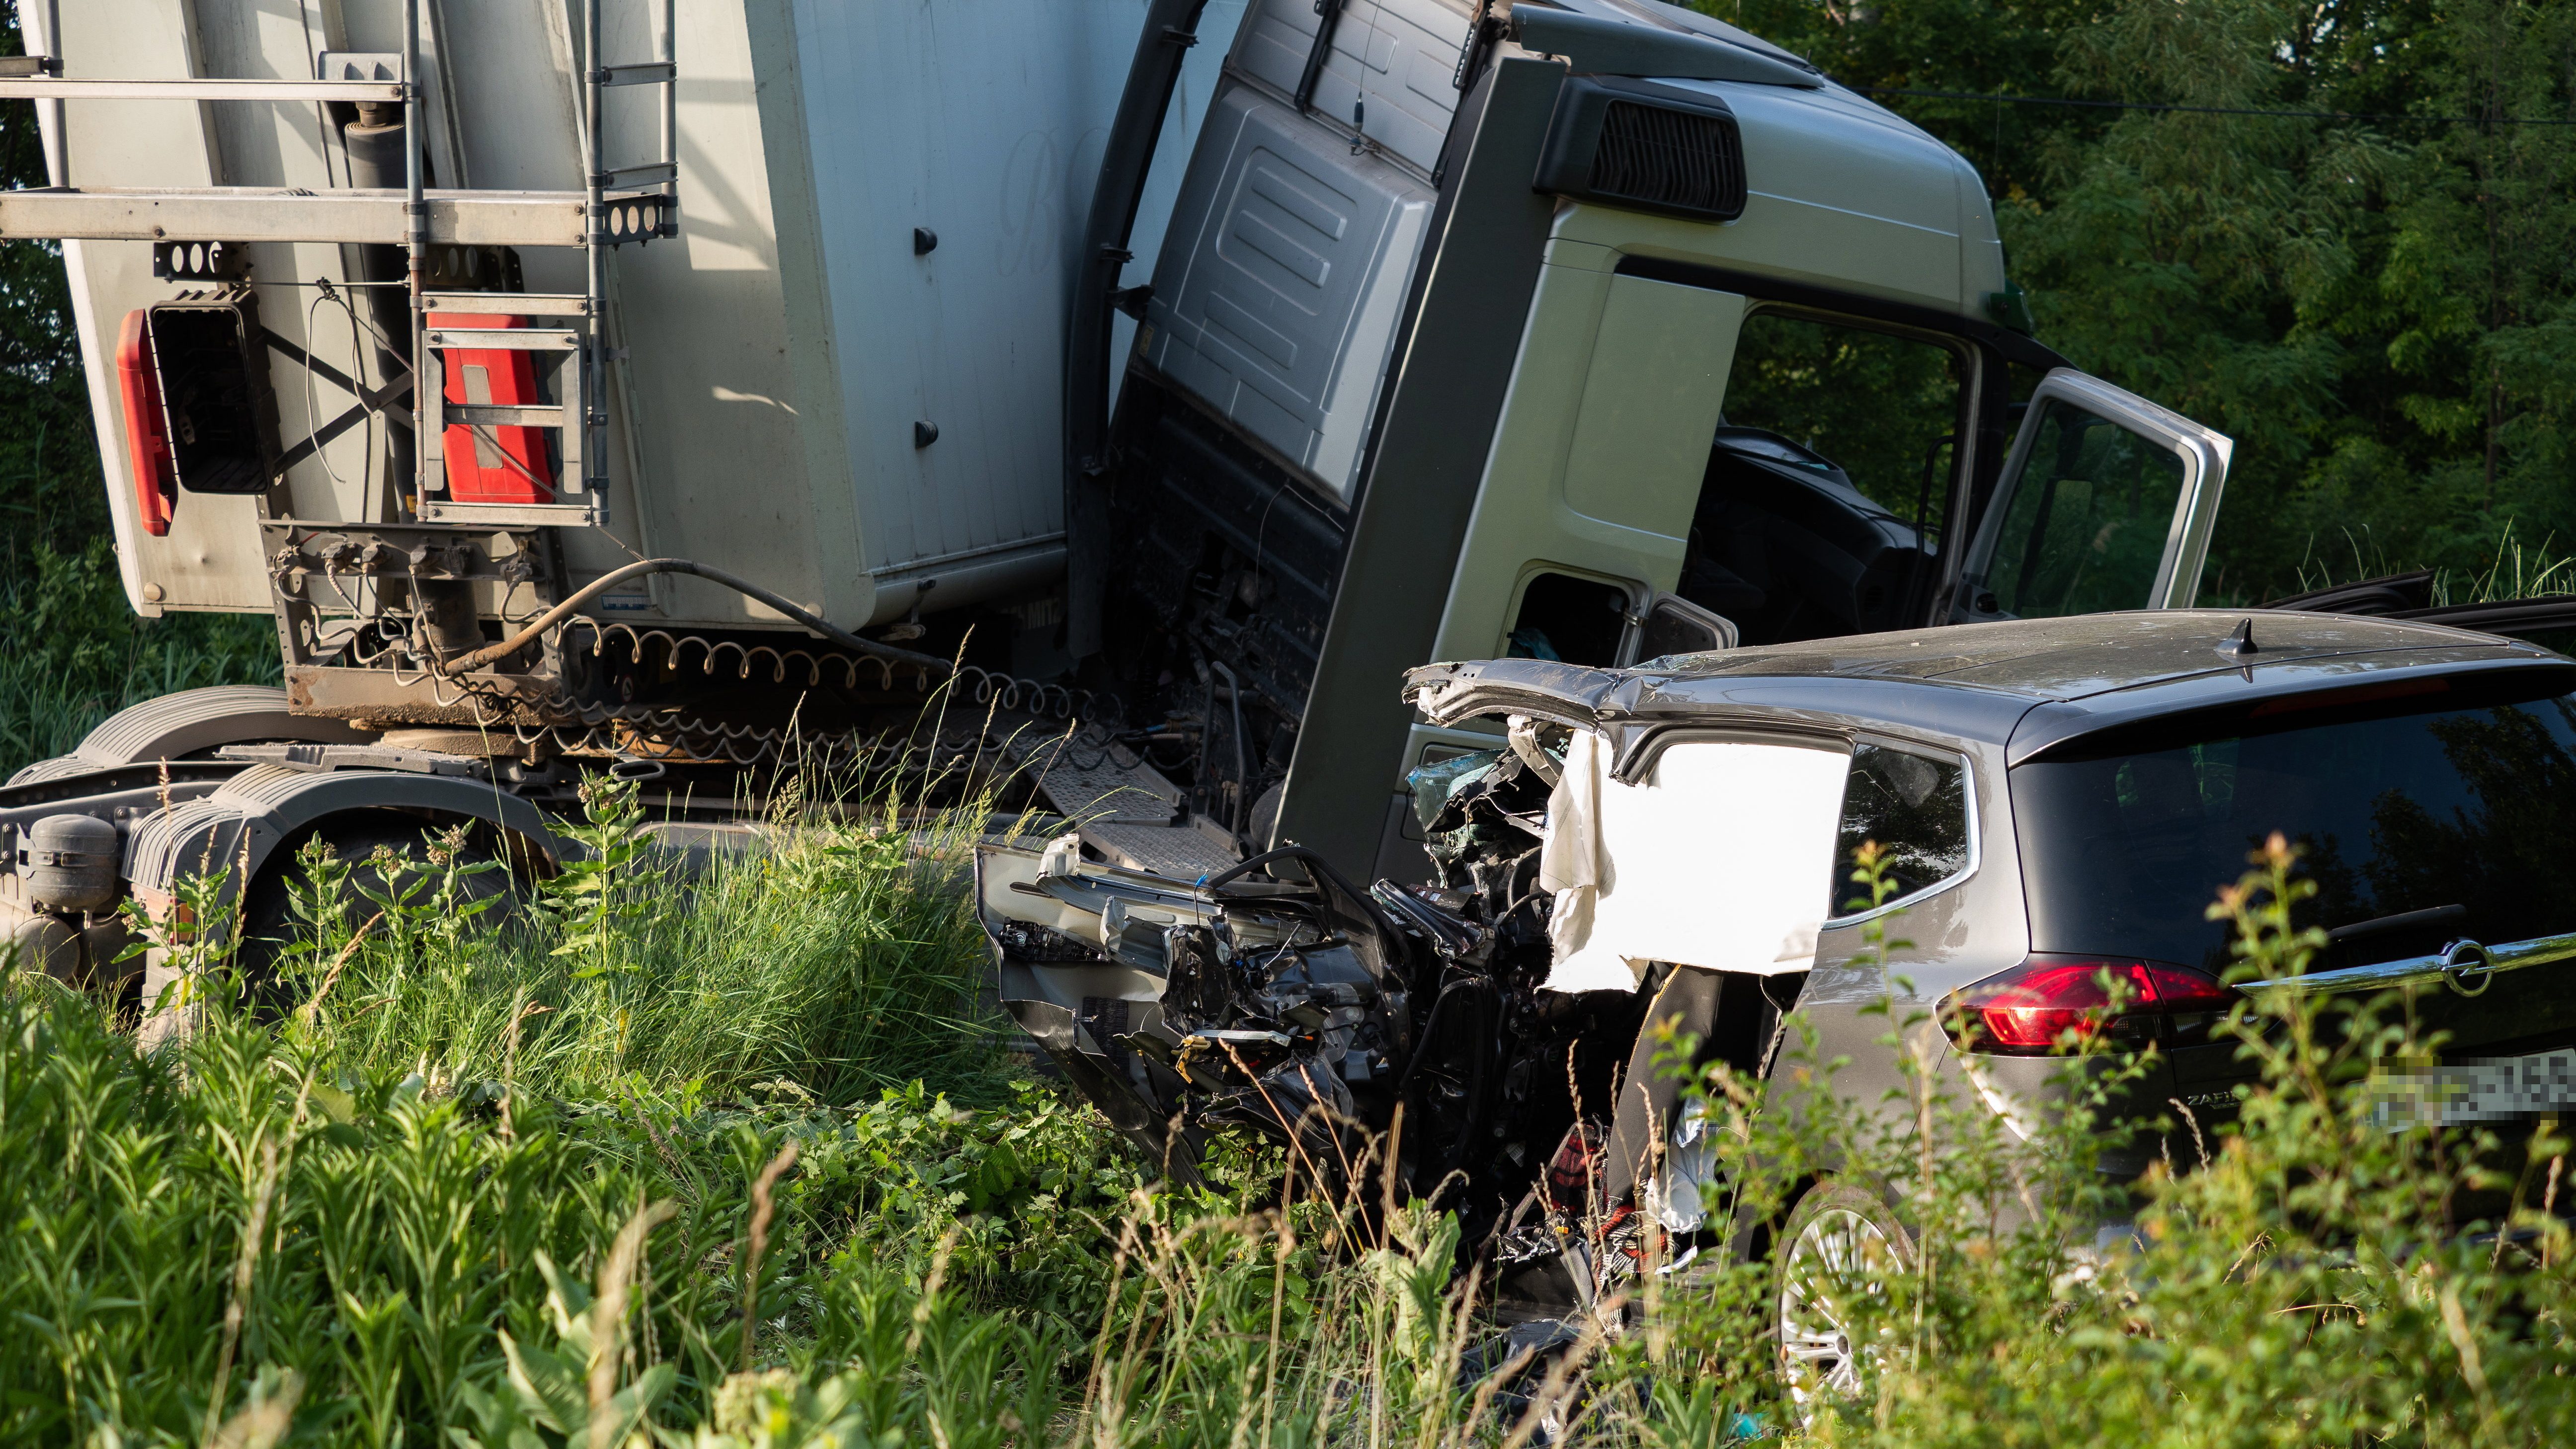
(1280, 1006)
(1279, 997)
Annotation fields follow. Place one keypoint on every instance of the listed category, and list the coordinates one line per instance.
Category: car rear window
(2402, 795)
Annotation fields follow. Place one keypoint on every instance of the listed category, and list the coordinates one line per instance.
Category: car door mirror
(2106, 502)
(1675, 625)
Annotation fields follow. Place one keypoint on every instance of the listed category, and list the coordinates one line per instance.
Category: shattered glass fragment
(1434, 783)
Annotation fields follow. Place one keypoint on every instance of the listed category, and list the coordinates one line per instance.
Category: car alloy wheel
(1841, 1247)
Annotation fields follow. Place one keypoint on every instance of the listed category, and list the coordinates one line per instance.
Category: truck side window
(1576, 620)
(2086, 528)
(1828, 480)
(1916, 808)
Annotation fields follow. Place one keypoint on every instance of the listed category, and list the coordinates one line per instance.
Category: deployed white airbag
(1722, 858)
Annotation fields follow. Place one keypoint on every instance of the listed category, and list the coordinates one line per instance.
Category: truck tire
(268, 923)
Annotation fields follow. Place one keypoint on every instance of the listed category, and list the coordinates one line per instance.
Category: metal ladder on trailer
(616, 207)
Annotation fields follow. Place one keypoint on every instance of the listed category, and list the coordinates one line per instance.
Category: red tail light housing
(2055, 1001)
(156, 478)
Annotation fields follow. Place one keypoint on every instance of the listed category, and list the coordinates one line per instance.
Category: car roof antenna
(2240, 643)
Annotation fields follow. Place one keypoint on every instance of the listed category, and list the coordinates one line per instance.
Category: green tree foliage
(2374, 303)
(48, 461)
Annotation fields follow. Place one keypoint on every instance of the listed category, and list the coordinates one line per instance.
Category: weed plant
(598, 1214)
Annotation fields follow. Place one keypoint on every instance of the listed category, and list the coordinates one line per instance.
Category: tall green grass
(681, 1206)
(2515, 570)
(840, 960)
(230, 1225)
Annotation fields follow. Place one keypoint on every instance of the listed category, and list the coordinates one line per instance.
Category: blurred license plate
(2475, 1089)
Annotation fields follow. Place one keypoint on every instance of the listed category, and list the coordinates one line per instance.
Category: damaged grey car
(2057, 801)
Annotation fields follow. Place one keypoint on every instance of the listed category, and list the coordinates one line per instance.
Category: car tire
(1837, 1252)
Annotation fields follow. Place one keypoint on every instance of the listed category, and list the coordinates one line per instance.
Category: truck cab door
(2105, 502)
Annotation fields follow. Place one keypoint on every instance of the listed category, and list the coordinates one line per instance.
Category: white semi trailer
(623, 384)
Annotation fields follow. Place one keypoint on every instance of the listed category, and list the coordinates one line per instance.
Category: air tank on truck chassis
(620, 384)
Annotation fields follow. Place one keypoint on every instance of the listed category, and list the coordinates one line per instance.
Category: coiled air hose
(551, 618)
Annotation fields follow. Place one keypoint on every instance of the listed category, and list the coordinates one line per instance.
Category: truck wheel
(268, 920)
(1839, 1250)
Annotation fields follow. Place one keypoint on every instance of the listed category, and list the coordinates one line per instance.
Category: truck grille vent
(1683, 160)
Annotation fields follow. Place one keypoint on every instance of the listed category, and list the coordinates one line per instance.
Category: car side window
(1916, 807)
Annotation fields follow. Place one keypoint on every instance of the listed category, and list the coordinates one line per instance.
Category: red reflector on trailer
(147, 444)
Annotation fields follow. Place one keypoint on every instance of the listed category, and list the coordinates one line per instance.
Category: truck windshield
(2403, 796)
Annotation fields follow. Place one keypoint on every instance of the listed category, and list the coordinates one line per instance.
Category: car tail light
(2030, 1009)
